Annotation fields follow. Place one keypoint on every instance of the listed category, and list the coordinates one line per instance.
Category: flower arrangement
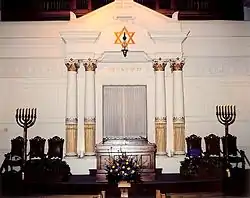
(123, 168)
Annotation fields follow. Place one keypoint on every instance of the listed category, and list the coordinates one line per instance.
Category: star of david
(124, 37)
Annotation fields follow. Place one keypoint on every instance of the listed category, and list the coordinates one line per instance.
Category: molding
(168, 36)
(41, 121)
(80, 36)
(117, 57)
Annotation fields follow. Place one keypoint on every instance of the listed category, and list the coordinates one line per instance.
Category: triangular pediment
(131, 12)
(101, 30)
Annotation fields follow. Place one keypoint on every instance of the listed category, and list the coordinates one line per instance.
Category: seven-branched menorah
(226, 115)
(25, 118)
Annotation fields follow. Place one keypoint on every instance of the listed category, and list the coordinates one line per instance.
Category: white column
(71, 120)
(90, 107)
(160, 106)
(178, 106)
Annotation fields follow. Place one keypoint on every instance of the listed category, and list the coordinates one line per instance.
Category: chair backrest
(55, 147)
(194, 146)
(212, 142)
(17, 147)
(37, 145)
(231, 144)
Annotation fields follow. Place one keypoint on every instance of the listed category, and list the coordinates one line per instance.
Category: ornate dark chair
(55, 148)
(212, 156)
(37, 145)
(212, 142)
(193, 166)
(16, 156)
(194, 146)
(57, 169)
(235, 156)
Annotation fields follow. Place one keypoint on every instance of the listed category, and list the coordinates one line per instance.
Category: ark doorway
(124, 111)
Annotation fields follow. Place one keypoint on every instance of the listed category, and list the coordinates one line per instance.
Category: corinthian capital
(72, 65)
(159, 64)
(90, 64)
(177, 64)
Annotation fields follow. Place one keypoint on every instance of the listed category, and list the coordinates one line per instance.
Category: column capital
(176, 64)
(90, 64)
(72, 64)
(159, 64)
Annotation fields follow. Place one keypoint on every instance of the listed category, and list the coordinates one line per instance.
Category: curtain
(124, 111)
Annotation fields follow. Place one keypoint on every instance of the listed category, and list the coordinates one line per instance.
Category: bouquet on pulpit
(123, 168)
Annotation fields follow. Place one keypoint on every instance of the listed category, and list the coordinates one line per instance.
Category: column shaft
(89, 108)
(71, 120)
(178, 106)
(160, 106)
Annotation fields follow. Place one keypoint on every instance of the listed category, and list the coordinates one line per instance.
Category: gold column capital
(177, 64)
(159, 64)
(72, 64)
(90, 64)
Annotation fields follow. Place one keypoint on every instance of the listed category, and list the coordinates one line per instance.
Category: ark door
(124, 111)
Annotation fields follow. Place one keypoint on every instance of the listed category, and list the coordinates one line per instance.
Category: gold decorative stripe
(179, 138)
(161, 119)
(71, 138)
(179, 119)
(89, 132)
(90, 120)
(71, 120)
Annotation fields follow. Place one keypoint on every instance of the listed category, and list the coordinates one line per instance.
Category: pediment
(95, 32)
(131, 12)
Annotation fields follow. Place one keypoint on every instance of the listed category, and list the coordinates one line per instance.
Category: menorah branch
(226, 115)
(25, 118)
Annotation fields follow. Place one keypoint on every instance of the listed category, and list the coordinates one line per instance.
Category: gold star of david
(124, 32)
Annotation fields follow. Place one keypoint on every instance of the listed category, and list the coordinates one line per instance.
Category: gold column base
(160, 135)
(179, 138)
(89, 132)
(71, 140)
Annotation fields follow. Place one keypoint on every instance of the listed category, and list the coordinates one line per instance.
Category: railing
(81, 4)
(54, 5)
(148, 3)
(99, 3)
(195, 5)
(182, 5)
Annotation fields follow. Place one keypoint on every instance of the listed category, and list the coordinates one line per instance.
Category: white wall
(217, 72)
(32, 74)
